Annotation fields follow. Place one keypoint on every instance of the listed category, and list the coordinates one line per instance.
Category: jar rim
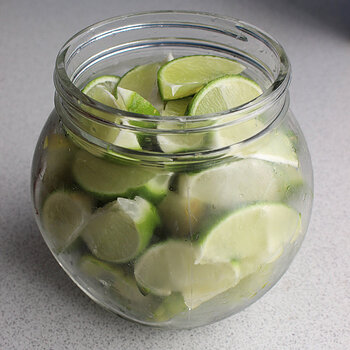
(70, 91)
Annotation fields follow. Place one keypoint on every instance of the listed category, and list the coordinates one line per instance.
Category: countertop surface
(309, 308)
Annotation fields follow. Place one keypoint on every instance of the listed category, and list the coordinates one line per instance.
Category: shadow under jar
(172, 237)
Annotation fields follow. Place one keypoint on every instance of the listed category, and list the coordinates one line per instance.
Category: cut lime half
(224, 93)
(170, 267)
(184, 76)
(121, 230)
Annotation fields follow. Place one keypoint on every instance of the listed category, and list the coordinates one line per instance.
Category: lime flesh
(258, 231)
(184, 76)
(170, 267)
(224, 93)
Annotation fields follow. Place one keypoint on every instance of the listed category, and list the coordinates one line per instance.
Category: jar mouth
(228, 26)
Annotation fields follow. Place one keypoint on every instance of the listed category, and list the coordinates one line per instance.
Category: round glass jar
(174, 237)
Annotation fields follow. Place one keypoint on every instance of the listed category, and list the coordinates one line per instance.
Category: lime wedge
(252, 284)
(273, 147)
(156, 188)
(63, 216)
(181, 142)
(143, 80)
(115, 278)
(170, 267)
(101, 89)
(97, 88)
(241, 181)
(259, 232)
(127, 139)
(59, 155)
(247, 288)
(184, 76)
(107, 180)
(131, 101)
(181, 215)
(228, 135)
(223, 94)
(121, 230)
(171, 306)
(176, 107)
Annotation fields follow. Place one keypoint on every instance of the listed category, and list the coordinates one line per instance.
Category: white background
(40, 308)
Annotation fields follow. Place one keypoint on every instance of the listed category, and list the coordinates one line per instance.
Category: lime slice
(101, 89)
(131, 101)
(181, 215)
(115, 278)
(176, 107)
(223, 94)
(63, 216)
(241, 181)
(143, 80)
(121, 230)
(107, 180)
(259, 232)
(184, 76)
(170, 267)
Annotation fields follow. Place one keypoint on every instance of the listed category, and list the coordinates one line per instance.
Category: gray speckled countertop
(41, 308)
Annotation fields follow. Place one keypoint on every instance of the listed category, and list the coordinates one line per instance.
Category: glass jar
(180, 221)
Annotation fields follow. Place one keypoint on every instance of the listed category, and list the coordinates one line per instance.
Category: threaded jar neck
(148, 37)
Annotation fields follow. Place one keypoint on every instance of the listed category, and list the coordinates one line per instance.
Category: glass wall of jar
(172, 221)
